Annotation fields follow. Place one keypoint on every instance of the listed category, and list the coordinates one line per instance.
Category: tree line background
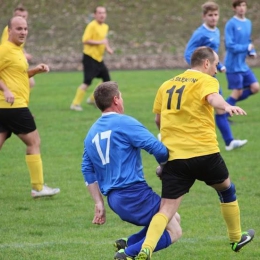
(144, 34)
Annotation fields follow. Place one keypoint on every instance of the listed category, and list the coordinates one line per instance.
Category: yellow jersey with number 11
(187, 119)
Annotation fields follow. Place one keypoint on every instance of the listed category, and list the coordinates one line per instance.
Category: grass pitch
(60, 227)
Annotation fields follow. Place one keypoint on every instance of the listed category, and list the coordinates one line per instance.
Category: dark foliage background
(143, 33)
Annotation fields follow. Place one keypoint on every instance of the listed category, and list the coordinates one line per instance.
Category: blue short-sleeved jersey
(112, 152)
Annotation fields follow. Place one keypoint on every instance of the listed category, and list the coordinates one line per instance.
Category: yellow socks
(91, 98)
(231, 213)
(155, 231)
(34, 164)
(79, 96)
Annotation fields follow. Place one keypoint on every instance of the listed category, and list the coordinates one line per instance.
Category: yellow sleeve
(157, 105)
(3, 62)
(88, 33)
(209, 86)
(5, 35)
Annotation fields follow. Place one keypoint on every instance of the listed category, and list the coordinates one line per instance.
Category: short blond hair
(209, 6)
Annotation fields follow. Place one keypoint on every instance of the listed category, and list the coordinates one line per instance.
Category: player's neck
(240, 17)
(210, 27)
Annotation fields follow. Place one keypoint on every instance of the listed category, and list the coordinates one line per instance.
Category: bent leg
(159, 222)
(172, 233)
(80, 93)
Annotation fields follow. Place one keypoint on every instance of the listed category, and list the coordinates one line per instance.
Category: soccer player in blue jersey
(208, 35)
(112, 166)
(241, 79)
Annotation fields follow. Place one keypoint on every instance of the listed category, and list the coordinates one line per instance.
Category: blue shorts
(136, 204)
(240, 80)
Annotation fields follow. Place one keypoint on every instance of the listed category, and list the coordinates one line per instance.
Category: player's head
(240, 7)
(21, 11)
(205, 60)
(17, 30)
(100, 14)
(210, 13)
(108, 97)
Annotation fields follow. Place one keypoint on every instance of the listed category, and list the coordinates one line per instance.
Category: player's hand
(159, 171)
(42, 68)
(109, 50)
(251, 46)
(223, 69)
(100, 214)
(234, 110)
(9, 97)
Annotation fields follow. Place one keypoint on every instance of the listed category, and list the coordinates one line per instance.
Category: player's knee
(174, 229)
(255, 87)
(175, 234)
(228, 195)
(178, 217)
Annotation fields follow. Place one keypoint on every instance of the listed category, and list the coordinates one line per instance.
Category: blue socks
(246, 93)
(231, 101)
(134, 249)
(224, 128)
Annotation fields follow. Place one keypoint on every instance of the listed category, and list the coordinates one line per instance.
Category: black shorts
(16, 120)
(179, 175)
(94, 69)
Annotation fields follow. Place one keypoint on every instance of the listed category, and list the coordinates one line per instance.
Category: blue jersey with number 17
(112, 152)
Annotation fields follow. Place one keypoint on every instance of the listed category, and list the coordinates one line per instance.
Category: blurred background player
(15, 116)
(19, 11)
(241, 79)
(208, 35)
(95, 43)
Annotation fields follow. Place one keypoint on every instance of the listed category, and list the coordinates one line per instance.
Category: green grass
(60, 227)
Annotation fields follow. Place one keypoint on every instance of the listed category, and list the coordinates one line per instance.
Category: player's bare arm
(94, 42)
(108, 48)
(218, 102)
(41, 68)
(27, 55)
(100, 212)
(9, 97)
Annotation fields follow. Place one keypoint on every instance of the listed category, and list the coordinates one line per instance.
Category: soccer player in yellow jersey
(95, 43)
(15, 116)
(184, 108)
(19, 11)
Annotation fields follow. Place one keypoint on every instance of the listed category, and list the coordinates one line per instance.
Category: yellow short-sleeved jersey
(14, 74)
(97, 32)
(187, 119)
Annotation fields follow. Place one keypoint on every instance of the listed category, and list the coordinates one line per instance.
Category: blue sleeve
(141, 138)
(230, 42)
(194, 42)
(87, 169)
(220, 66)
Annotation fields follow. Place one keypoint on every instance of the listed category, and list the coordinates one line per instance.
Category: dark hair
(201, 54)
(105, 93)
(236, 3)
(209, 6)
(20, 8)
